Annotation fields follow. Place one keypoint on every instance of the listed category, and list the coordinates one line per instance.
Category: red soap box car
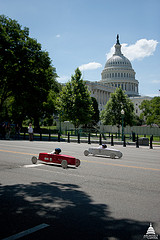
(62, 159)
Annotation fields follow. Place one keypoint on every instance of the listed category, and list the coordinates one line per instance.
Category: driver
(56, 151)
(103, 146)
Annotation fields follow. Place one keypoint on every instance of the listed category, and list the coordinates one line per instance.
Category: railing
(84, 135)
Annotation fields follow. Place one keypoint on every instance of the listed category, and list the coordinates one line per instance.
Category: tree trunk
(36, 123)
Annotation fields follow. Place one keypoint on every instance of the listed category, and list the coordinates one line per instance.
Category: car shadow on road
(69, 211)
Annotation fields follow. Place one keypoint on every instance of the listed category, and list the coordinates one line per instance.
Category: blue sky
(81, 33)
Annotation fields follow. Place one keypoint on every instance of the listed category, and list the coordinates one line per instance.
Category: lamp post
(60, 119)
(122, 114)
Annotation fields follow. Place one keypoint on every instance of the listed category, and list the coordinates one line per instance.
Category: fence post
(89, 138)
(59, 137)
(40, 135)
(124, 141)
(151, 139)
(49, 138)
(24, 137)
(78, 138)
(100, 139)
(133, 137)
(137, 142)
(112, 143)
(68, 137)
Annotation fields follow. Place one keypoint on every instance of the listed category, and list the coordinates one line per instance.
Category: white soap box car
(103, 151)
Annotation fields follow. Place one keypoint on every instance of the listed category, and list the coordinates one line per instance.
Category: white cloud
(156, 81)
(90, 66)
(152, 94)
(141, 49)
(63, 79)
(58, 36)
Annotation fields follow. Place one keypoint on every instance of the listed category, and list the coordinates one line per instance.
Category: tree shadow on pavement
(70, 212)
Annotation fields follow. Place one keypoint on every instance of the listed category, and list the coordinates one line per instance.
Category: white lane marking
(62, 173)
(32, 165)
(26, 232)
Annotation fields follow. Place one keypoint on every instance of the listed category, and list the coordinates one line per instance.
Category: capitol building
(118, 72)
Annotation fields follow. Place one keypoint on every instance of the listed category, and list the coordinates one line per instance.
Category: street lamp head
(122, 112)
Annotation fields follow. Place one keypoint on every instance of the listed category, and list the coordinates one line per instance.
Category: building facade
(137, 102)
(101, 92)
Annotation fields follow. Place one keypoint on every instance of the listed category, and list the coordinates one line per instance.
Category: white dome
(150, 230)
(118, 72)
(118, 60)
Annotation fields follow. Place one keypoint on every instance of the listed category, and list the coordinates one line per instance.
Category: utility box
(143, 141)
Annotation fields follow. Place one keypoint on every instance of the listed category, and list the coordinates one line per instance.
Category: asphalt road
(103, 198)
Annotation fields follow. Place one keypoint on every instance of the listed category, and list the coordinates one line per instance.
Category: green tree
(112, 112)
(74, 102)
(26, 74)
(151, 111)
(95, 116)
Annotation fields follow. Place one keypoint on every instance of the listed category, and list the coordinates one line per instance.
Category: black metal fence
(80, 135)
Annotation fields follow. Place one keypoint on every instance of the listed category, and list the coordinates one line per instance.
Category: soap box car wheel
(86, 152)
(77, 162)
(34, 160)
(64, 164)
(112, 155)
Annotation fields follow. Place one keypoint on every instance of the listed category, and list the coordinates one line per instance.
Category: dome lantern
(118, 48)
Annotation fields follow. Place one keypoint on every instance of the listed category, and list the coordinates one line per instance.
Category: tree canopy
(151, 111)
(112, 112)
(74, 102)
(27, 76)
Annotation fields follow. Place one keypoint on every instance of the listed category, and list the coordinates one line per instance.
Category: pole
(100, 139)
(78, 137)
(124, 142)
(68, 137)
(122, 127)
(60, 123)
(40, 135)
(137, 142)
(59, 137)
(151, 139)
(89, 138)
(112, 143)
(49, 138)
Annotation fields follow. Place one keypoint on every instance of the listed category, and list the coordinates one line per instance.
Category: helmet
(57, 150)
